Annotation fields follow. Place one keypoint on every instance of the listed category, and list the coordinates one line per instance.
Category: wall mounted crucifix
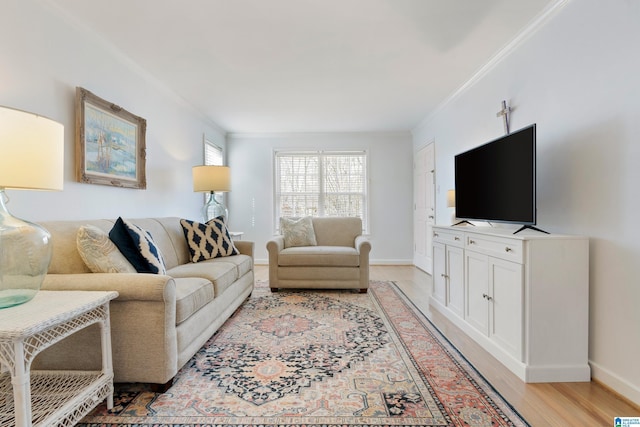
(505, 116)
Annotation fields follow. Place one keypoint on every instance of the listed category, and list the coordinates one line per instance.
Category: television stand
(463, 222)
(529, 227)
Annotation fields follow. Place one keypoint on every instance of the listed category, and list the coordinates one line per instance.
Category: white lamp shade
(451, 198)
(31, 151)
(211, 178)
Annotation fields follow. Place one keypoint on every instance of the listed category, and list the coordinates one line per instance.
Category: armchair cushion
(326, 256)
(298, 232)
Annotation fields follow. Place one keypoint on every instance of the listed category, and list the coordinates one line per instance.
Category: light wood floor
(545, 404)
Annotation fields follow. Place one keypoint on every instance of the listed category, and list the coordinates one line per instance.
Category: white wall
(390, 199)
(44, 56)
(578, 78)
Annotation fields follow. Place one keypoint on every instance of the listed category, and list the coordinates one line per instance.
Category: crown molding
(533, 27)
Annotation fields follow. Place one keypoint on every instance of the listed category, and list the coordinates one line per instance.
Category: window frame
(322, 155)
(212, 160)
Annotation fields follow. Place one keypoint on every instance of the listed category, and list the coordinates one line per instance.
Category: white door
(424, 207)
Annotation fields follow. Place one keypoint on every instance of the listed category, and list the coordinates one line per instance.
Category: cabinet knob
(472, 242)
(445, 276)
(431, 217)
(435, 234)
(508, 249)
(487, 297)
(456, 238)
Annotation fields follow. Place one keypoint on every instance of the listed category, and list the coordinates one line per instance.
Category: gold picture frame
(110, 143)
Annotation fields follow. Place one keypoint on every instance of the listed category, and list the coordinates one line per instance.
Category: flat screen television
(497, 181)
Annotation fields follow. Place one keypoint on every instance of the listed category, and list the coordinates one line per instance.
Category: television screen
(497, 181)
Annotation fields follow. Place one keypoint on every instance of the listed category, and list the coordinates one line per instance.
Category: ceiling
(309, 65)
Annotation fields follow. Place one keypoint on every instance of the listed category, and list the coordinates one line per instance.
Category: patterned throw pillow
(210, 240)
(298, 232)
(99, 253)
(138, 247)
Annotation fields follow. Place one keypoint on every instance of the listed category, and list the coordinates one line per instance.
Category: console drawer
(503, 248)
(449, 237)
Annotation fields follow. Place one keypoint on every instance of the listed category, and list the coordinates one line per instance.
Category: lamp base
(11, 297)
(214, 209)
(24, 259)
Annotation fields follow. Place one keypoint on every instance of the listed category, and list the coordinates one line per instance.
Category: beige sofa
(340, 259)
(158, 322)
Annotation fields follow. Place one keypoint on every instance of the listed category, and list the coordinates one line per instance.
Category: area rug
(319, 358)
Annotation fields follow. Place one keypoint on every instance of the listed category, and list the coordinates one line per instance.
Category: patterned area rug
(319, 358)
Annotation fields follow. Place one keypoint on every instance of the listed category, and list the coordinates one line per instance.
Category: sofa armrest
(130, 286)
(244, 246)
(143, 327)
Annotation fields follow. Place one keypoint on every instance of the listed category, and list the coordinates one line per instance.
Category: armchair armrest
(363, 245)
(274, 246)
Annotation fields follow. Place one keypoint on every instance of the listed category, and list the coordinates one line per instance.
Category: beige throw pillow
(298, 232)
(99, 253)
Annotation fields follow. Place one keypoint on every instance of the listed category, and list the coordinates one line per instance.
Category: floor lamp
(212, 179)
(32, 158)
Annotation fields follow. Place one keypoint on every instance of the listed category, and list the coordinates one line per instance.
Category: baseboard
(564, 374)
(617, 384)
(402, 262)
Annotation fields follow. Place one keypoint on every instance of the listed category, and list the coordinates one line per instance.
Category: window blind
(321, 184)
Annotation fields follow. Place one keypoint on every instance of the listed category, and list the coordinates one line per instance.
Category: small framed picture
(110, 143)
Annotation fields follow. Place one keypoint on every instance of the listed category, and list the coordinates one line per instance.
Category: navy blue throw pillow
(210, 240)
(138, 247)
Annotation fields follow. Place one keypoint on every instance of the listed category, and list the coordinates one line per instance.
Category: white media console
(524, 298)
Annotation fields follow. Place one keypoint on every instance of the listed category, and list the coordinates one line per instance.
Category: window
(321, 184)
(213, 156)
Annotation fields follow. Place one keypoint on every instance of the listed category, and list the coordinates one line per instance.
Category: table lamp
(212, 179)
(451, 203)
(32, 158)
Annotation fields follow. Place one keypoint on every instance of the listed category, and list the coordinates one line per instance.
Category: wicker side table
(51, 398)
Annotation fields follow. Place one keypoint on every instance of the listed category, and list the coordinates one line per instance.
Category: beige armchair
(339, 260)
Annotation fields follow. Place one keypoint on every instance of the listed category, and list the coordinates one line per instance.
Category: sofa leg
(274, 289)
(161, 388)
(364, 290)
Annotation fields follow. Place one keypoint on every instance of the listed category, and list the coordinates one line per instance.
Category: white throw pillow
(99, 253)
(298, 232)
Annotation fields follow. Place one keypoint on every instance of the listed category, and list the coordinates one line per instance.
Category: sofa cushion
(244, 263)
(191, 295)
(221, 273)
(210, 240)
(99, 253)
(298, 232)
(138, 247)
(337, 256)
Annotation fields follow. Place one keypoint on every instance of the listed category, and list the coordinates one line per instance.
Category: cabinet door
(439, 273)
(455, 273)
(477, 290)
(506, 284)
